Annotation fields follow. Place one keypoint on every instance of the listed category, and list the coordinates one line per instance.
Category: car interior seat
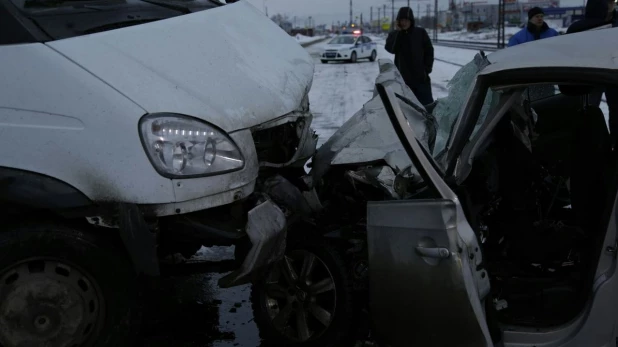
(590, 162)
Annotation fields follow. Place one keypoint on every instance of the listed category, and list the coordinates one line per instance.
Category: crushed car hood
(368, 136)
(230, 66)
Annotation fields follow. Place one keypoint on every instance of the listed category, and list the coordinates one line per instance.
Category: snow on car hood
(230, 66)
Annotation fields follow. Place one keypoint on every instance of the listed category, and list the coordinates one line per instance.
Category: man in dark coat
(600, 14)
(413, 54)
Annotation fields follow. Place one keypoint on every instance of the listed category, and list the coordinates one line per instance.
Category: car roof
(589, 49)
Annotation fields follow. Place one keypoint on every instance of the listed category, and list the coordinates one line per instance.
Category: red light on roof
(357, 32)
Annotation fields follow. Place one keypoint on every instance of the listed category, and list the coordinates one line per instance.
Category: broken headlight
(184, 147)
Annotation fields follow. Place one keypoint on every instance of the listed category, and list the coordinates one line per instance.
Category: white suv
(132, 130)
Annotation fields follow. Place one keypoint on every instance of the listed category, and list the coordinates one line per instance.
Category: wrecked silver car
(486, 219)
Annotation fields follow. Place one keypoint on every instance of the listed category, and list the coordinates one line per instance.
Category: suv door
(427, 281)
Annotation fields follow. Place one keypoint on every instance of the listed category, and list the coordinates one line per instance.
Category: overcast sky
(327, 11)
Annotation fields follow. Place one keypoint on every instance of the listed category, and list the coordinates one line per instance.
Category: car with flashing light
(127, 140)
(350, 48)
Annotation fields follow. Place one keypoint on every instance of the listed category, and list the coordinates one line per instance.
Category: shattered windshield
(448, 109)
(342, 40)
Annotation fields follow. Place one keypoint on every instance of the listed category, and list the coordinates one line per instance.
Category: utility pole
(371, 17)
(418, 9)
(393, 18)
(361, 23)
(435, 21)
(501, 38)
(379, 21)
(350, 13)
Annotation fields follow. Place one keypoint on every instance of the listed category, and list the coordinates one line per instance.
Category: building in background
(479, 14)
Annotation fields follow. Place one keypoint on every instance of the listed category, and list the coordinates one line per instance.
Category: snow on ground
(489, 35)
(483, 35)
(341, 89)
(454, 55)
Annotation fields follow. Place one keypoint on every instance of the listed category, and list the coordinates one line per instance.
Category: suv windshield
(60, 19)
(342, 40)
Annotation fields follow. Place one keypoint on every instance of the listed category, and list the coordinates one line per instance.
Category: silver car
(487, 219)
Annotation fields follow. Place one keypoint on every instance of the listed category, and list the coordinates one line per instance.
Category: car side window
(367, 40)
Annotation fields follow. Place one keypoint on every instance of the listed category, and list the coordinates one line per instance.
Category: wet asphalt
(190, 310)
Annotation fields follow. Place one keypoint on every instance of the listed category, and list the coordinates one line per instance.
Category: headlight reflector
(182, 147)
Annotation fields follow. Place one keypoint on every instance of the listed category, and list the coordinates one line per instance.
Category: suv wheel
(63, 287)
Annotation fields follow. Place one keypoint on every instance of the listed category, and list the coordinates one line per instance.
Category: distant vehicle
(350, 48)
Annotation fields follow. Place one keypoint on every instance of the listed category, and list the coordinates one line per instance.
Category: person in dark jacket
(535, 30)
(600, 14)
(413, 54)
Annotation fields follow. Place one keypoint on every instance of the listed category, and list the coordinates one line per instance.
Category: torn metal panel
(381, 177)
(266, 230)
(287, 195)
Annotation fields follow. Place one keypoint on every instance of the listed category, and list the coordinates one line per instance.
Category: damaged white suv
(132, 130)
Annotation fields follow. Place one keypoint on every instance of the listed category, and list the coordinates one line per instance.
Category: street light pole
(435, 21)
(393, 18)
(350, 13)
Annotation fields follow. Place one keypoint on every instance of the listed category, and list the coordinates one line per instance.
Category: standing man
(599, 15)
(535, 30)
(413, 55)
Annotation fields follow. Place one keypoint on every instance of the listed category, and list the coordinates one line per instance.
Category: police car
(350, 48)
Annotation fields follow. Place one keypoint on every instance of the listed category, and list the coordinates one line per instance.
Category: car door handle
(437, 252)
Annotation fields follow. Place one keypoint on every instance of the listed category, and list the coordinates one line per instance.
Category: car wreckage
(482, 210)
(487, 218)
(125, 142)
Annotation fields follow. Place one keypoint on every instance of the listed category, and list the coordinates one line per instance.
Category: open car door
(427, 281)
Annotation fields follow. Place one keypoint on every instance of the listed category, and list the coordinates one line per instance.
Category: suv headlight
(184, 147)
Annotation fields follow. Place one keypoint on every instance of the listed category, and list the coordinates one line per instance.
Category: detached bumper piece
(266, 228)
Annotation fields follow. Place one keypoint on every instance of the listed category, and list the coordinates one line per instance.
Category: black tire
(324, 61)
(91, 271)
(374, 55)
(340, 330)
(353, 57)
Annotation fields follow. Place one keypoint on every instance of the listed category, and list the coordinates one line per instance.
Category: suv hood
(230, 66)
